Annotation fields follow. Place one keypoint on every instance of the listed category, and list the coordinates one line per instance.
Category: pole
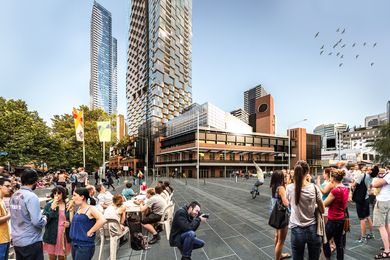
(289, 149)
(147, 160)
(104, 164)
(197, 140)
(84, 153)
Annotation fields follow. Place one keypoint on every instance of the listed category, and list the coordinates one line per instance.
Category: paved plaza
(238, 225)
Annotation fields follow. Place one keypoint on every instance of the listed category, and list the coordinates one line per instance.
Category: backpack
(360, 192)
(139, 242)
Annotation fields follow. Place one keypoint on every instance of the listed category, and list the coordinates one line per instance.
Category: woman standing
(337, 202)
(303, 197)
(279, 193)
(56, 241)
(85, 223)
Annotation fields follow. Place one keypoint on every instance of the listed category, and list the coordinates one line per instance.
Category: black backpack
(360, 192)
(138, 241)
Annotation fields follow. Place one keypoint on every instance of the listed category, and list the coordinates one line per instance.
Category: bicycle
(255, 189)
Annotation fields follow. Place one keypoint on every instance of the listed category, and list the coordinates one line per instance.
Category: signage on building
(125, 168)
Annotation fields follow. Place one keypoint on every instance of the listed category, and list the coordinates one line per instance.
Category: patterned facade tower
(158, 81)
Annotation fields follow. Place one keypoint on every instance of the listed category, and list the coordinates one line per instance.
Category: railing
(220, 161)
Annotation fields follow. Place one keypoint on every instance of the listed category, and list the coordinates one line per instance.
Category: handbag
(279, 217)
(320, 221)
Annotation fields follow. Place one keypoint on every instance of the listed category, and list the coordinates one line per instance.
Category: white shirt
(384, 194)
(105, 198)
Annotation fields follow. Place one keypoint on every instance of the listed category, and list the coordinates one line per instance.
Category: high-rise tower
(158, 80)
(103, 88)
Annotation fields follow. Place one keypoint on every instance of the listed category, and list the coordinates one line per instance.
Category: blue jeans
(300, 236)
(189, 242)
(4, 249)
(82, 252)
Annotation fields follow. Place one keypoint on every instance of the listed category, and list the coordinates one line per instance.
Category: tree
(23, 134)
(382, 143)
(71, 151)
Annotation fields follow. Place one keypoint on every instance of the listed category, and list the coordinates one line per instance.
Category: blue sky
(236, 45)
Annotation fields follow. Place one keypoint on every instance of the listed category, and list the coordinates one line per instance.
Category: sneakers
(361, 240)
(370, 236)
(154, 239)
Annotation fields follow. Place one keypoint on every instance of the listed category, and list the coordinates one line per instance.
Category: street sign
(3, 153)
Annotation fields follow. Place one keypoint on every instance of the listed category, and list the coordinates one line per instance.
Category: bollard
(236, 178)
(204, 181)
(186, 180)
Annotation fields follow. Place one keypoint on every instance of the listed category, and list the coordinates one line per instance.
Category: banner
(104, 129)
(79, 124)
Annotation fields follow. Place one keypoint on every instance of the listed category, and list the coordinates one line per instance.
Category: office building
(331, 135)
(158, 80)
(375, 120)
(103, 81)
(250, 97)
(241, 114)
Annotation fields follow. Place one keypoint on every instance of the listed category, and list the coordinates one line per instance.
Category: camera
(205, 215)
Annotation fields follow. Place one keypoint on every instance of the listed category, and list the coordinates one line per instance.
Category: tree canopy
(382, 143)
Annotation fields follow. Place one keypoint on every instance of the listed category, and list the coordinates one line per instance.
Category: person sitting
(185, 222)
(104, 197)
(128, 192)
(168, 187)
(117, 210)
(153, 208)
(160, 191)
(92, 199)
(143, 188)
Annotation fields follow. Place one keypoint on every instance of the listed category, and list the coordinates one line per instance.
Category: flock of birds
(338, 47)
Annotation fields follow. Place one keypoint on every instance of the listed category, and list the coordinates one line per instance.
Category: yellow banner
(104, 129)
(79, 124)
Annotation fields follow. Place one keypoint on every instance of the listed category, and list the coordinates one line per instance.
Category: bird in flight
(342, 56)
(343, 31)
(316, 34)
(342, 46)
(353, 45)
(364, 44)
(322, 47)
(338, 54)
(338, 29)
(330, 53)
(374, 44)
(321, 52)
(357, 56)
(341, 64)
(372, 64)
(334, 46)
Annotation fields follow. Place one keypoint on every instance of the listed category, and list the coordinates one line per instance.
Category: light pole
(289, 140)
(197, 150)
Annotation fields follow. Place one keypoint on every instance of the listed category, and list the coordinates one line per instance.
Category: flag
(79, 124)
(104, 129)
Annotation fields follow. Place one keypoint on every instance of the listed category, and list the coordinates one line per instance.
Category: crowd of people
(68, 223)
(317, 212)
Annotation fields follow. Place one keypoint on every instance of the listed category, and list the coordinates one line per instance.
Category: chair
(166, 219)
(112, 231)
(170, 196)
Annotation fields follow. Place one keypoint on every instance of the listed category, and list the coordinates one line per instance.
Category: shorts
(363, 209)
(381, 213)
(151, 219)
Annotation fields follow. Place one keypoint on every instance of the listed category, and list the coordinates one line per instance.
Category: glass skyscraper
(158, 80)
(103, 83)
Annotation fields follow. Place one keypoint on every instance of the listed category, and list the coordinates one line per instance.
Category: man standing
(185, 222)
(5, 239)
(73, 180)
(27, 222)
(82, 177)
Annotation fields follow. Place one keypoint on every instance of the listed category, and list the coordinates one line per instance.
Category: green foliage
(23, 134)
(27, 139)
(64, 132)
(382, 143)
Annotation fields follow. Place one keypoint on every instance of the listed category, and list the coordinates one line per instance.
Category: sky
(236, 45)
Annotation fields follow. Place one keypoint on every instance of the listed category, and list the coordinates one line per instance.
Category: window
(231, 157)
(212, 156)
(222, 156)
